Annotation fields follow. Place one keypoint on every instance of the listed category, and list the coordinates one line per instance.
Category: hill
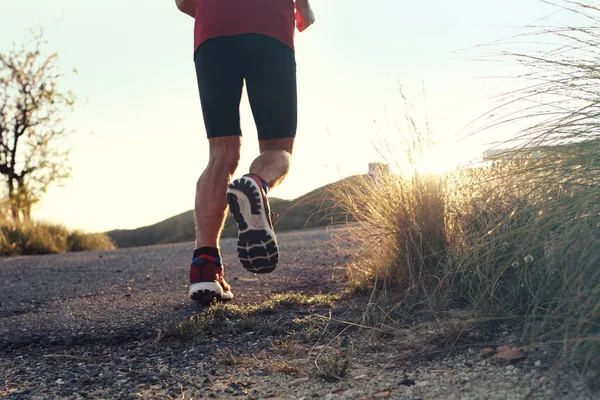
(314, 209)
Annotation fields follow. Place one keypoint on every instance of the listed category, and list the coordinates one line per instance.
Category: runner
(237, 41)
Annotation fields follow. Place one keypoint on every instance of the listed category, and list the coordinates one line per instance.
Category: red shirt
(273, 18)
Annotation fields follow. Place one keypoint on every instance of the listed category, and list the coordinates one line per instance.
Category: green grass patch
(289, 299)
(261, 318)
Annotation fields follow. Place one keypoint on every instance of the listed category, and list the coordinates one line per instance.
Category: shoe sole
(207, 292)
(257, 243)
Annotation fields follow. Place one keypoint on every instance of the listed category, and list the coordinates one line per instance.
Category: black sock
(209, 251)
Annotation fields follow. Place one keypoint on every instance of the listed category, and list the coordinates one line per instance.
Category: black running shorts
(269, 68)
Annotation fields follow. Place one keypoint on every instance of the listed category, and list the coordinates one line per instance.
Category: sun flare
(436, 161)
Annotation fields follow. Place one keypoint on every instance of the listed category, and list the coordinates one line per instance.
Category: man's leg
(211, 202)
(273, 163)
(270, 72)
(220, 83)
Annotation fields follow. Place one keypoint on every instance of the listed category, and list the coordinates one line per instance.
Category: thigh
(220, 81)
(270, 73)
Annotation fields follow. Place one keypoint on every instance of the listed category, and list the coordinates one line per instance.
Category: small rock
(59, 381)
(352, 394)
(487, 352)
(511, 356)
(261, 355)
(298, 381)
(538, 363)
(383, 395)
(422, 383)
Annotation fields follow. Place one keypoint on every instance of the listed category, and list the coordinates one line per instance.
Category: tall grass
(518, 239)
(398, 225)
(525, 245)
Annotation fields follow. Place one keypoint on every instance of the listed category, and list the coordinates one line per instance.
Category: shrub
(34, 238)
(78, 241)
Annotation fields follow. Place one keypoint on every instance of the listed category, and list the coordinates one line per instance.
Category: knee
(225, 162)
(224, 154)
(284, 145)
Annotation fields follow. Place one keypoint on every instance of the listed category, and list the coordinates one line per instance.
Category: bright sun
(437, 161)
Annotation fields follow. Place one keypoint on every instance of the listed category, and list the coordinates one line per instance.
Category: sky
(138, 144)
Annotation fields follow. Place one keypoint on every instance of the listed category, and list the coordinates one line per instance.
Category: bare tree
(31, 125)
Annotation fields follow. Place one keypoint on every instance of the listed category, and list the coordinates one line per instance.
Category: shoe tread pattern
(205, 296)
(257, 248)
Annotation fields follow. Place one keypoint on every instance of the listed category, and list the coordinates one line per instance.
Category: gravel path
(112, 296)
(96, 325)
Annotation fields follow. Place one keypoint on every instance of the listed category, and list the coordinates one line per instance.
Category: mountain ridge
(314, 209)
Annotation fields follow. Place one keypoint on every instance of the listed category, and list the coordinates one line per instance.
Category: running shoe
(206, 280)
(257, 245)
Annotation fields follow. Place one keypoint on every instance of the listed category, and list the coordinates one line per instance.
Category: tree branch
(31, 106)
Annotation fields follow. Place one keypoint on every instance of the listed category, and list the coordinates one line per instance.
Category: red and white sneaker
(206, 280)
(257, 244)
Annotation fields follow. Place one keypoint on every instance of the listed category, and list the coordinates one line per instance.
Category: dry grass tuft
(518, 239)
(32, 238)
